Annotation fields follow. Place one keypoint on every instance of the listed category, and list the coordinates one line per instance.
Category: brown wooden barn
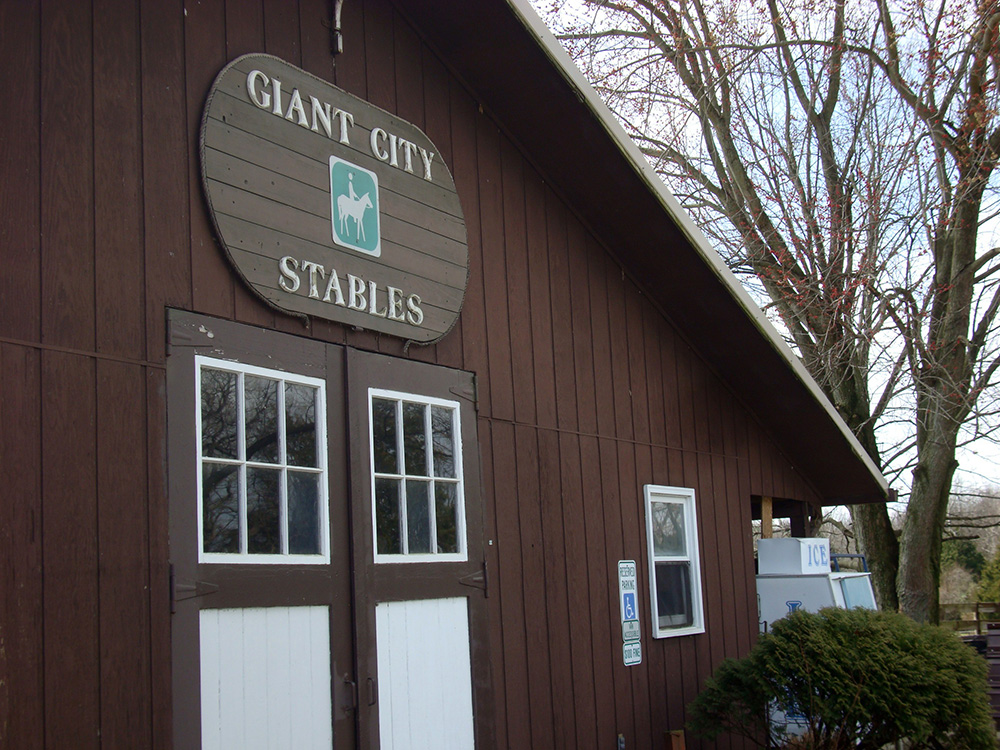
(245, 503)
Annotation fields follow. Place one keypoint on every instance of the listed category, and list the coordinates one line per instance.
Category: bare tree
(974, 515)
(842, 157)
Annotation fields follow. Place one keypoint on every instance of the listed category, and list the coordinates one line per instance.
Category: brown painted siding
(21, 657)
(586, 392)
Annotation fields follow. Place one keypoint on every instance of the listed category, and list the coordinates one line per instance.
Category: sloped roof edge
(575, 78)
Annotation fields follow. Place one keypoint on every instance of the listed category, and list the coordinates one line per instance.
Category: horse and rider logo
(354, 207)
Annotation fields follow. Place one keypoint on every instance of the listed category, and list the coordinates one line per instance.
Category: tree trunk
(876, 537)
(874, 532)
(920, 544)
(943, 390)
(877, 540)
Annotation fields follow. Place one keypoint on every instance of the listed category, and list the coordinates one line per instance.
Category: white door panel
(424, 674)
(265, 678)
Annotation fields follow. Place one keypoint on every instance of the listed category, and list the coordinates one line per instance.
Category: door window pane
(446, 510)
(304, 530)
(261, 400)
(218, 413)
(444, 444)
(263, 522)
(300, 425)
(387, 516)
(418, 525)
(262, 464)
(414, 439)
(417, 502)
(220, 507)
(384, 434)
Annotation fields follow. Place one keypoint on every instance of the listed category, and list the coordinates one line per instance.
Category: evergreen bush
(989, 581)
(862, 679)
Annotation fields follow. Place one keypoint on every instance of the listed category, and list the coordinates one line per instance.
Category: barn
(363, 387)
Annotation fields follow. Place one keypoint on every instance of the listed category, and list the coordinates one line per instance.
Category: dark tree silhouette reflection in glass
(259, 473)
(416, 479)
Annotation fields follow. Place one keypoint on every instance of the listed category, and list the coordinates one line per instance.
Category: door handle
(372, 692)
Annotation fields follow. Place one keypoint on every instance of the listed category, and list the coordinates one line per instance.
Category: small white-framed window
(418, 495)
(261, 465)
(674, 563)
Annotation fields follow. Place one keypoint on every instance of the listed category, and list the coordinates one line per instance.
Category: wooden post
(675, 740)
(798, 521)
(766, 518)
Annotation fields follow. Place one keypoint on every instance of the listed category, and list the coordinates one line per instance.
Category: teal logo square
(354, 207)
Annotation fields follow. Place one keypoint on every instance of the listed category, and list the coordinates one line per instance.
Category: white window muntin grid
(683, 496)
(242, 556)
(399, 398)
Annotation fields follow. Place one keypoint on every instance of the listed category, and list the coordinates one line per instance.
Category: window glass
(262, 465)
(263, 527)
(261, 399)
(387, 516)
(444, 445)
(668, 528)
(674, 566)
(384, 433)
(304, 534)
(300, 425)
(415, 439)
(220, 508)
(418, 502)
(218, 413)
(446, 512)
(673, 594)
(858, 592)
(418, 527)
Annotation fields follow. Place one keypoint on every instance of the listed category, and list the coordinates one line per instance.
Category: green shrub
(964, 553)
(989, 581)
(862, 679)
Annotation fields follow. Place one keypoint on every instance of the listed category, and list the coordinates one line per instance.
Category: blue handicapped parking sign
(628, 607)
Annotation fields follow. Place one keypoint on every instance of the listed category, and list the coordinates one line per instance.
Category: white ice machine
(796, 574)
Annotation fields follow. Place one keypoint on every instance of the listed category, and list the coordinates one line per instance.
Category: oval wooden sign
(329, 206)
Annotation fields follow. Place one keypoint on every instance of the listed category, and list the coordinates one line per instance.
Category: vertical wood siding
(22, 714)
(586, 392)
(20, 160)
